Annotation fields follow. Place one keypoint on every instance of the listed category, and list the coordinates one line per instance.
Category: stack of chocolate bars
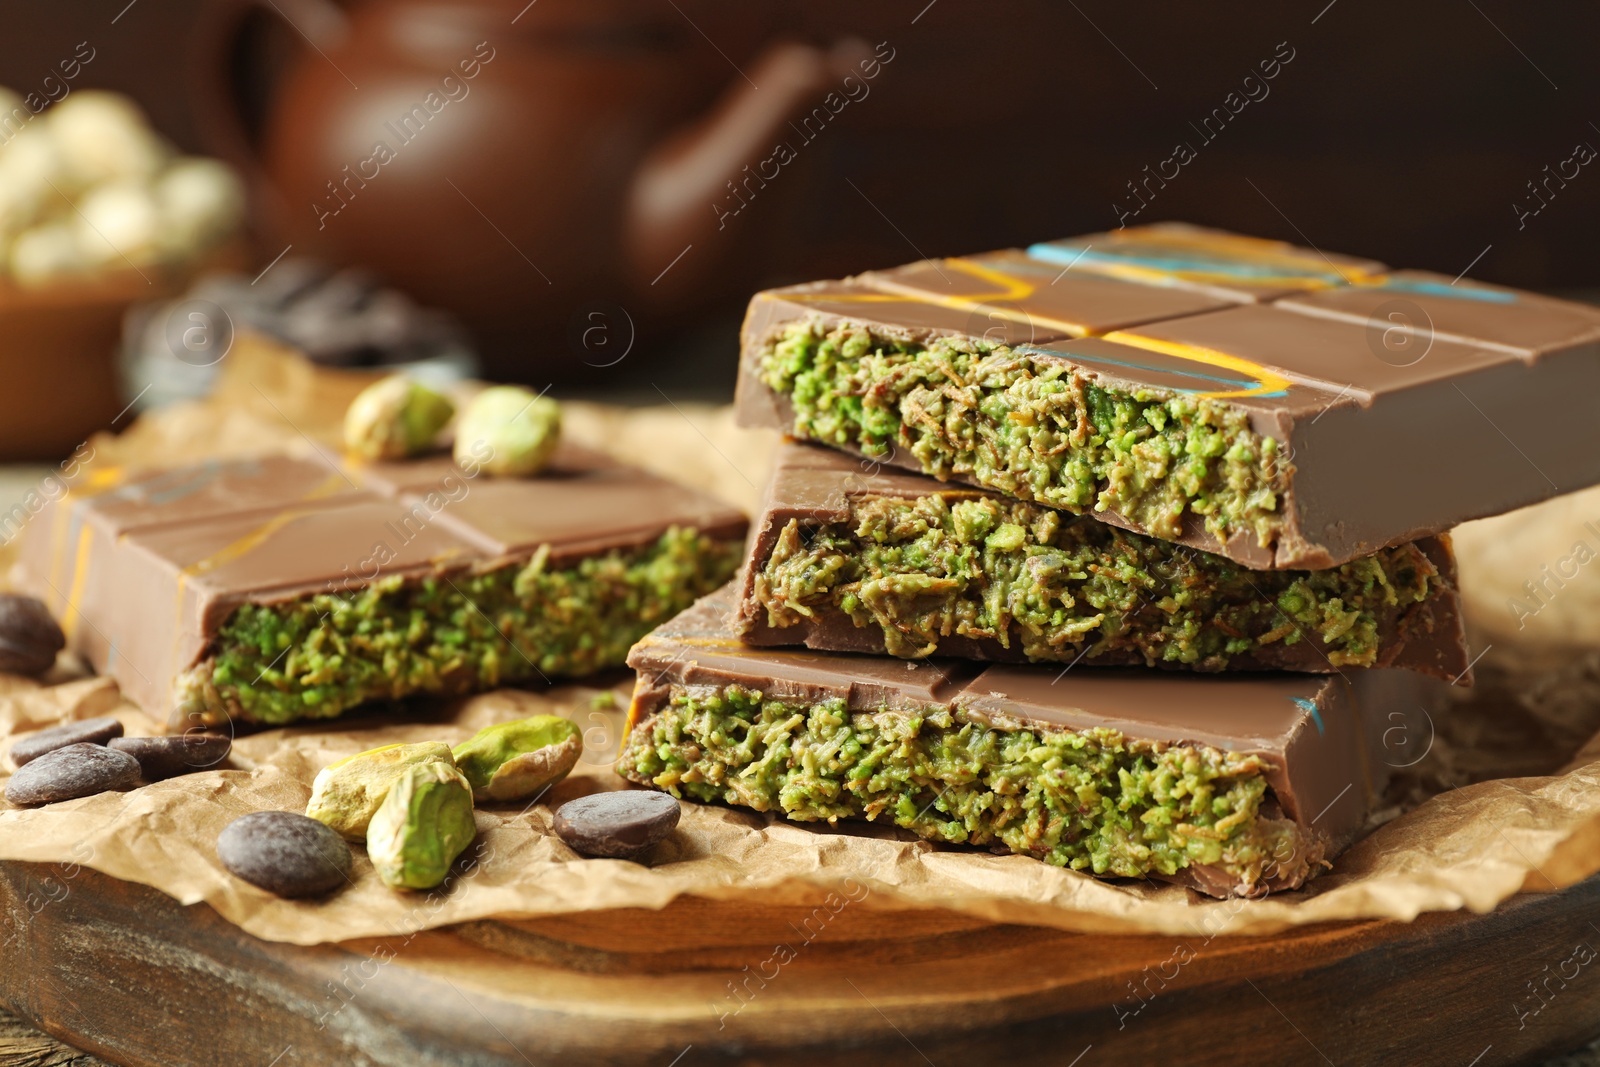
(1117, 552)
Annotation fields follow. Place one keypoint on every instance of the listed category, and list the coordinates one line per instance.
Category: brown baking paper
(1460, 832)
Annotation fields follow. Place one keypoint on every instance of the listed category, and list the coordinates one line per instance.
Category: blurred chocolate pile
(337, 318)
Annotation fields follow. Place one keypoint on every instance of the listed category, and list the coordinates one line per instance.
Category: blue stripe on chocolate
(1310, 705)
(1065, 254)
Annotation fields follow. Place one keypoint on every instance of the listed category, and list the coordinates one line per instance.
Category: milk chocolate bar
(1233, 786)
(1272, 404)
(850, 557)
(295, 587)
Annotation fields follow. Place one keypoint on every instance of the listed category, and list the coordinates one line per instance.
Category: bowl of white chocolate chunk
(97, 212)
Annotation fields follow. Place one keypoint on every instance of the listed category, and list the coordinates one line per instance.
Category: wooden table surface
(22, 1045)
(127, 972)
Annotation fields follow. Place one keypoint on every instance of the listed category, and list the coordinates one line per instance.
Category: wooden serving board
(127, 973)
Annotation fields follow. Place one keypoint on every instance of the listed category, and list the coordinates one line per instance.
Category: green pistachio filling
(1060, 587)
(1032, 428)
(319, 655)
(1090, 800)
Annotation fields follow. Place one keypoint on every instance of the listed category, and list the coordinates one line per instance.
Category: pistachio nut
(394, 418)
(515, 760)
(422, 826)
(508, 430)
(346, 794)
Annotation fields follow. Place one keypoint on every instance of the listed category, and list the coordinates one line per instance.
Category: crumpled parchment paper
(1506, 798)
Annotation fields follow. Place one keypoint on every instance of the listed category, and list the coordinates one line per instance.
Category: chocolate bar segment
(1228, 266)
(1032, 299)
(1430, 306)
(295, 587)
(849, 557)
(1277, 406)
(1230, 786)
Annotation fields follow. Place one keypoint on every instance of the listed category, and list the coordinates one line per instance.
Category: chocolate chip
(79, 770)
(622, 824)
(284, 853)
(29, 636)
(168, 757)
(88, 731)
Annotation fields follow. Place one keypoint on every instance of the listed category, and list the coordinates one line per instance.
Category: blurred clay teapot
(522, 164)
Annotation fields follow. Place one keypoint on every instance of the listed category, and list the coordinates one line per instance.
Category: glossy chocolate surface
(1228, 266)
(814, 486)
(142, 571)
(1409, 402)
(1321, 734)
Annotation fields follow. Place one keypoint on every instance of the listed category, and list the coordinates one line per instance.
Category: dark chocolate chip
(285, 853)
(168, 757)
(622, 824)
(88, 731)
(79, 770)
(29, 636)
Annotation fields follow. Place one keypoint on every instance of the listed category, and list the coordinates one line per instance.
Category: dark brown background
(1401, 132)
(1404, 132)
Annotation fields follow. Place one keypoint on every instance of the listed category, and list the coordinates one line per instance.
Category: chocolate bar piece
(854, 559)
(288, 587)
(1281, 407)
(1233, 786)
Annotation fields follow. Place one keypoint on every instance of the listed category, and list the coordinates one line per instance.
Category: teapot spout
(678, 201)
